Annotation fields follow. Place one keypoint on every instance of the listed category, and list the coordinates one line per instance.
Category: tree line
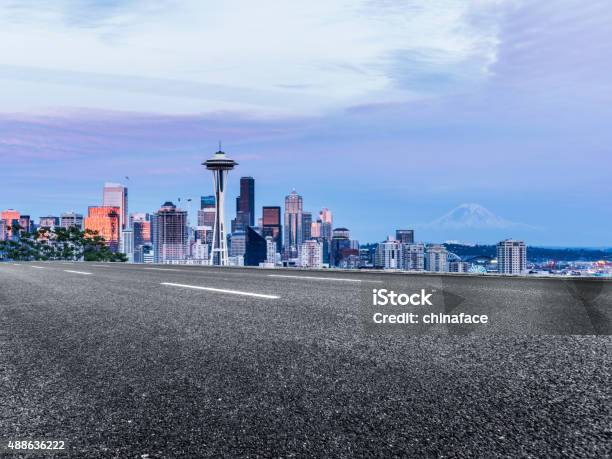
(57, 244)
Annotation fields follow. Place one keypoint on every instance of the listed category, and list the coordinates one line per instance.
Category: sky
(471, 121)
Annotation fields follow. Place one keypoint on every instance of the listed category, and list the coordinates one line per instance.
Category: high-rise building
(25, 223)
(169, 234)
(126, 244)
(387, 254)
(315, 229)
(247, 199)
(293, 224)
(306, 226)
(48, 222)
(311, 254)
(342, 249)
(405, 236)
(271, 250)
(10, 217)
(147, 254)
(141, 224)
(139, 217)
(436, 258)
(69, 219)
(245, 205)
(256, 248)
(220, 165)
(238, 244)
(412, 257)
(3, 231)
(116, 195)
(511, 257)
(325, 231)
(206, 220)
(326, 216)
(207, 202)
(271, 225)
(106, 222)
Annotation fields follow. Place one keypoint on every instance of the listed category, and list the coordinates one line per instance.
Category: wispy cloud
(274, 57)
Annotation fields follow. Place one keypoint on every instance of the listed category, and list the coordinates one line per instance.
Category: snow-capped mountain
(471, 216)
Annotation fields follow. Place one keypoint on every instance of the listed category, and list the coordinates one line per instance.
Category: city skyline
(456, 225)
(458, 103)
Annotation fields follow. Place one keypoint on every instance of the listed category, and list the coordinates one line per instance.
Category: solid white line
(38, 267)
(341, 279)
(16, 264)
(161, 269)
(101, 266)
(76, 272)
(220, 290)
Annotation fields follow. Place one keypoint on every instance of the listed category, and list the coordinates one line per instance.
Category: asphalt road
(118, 363)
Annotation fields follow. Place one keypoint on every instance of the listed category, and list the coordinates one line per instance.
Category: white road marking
(220, 290)
(76, 272)
(16, 264)
(161, 269)
(341, 279)
(101, 266)
(38, 267)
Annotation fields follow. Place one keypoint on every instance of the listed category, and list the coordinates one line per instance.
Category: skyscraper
(405, 236)
(237, 244)
(116, 195)
(293, 224)
(271, 225)
(247, 199)
(169, 234)
(245, 205)
(315, 229)
(106, 222)
(511, 257)
(326, 216)
(220, 165)
(206, 220)
(206, 202)
(306, 225)
(141, 227)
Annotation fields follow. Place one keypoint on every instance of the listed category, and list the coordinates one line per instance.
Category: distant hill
(534, 253)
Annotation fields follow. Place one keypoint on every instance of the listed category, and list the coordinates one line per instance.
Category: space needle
(220, 165)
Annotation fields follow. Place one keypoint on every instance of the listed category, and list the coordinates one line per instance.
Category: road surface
(185, 361)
